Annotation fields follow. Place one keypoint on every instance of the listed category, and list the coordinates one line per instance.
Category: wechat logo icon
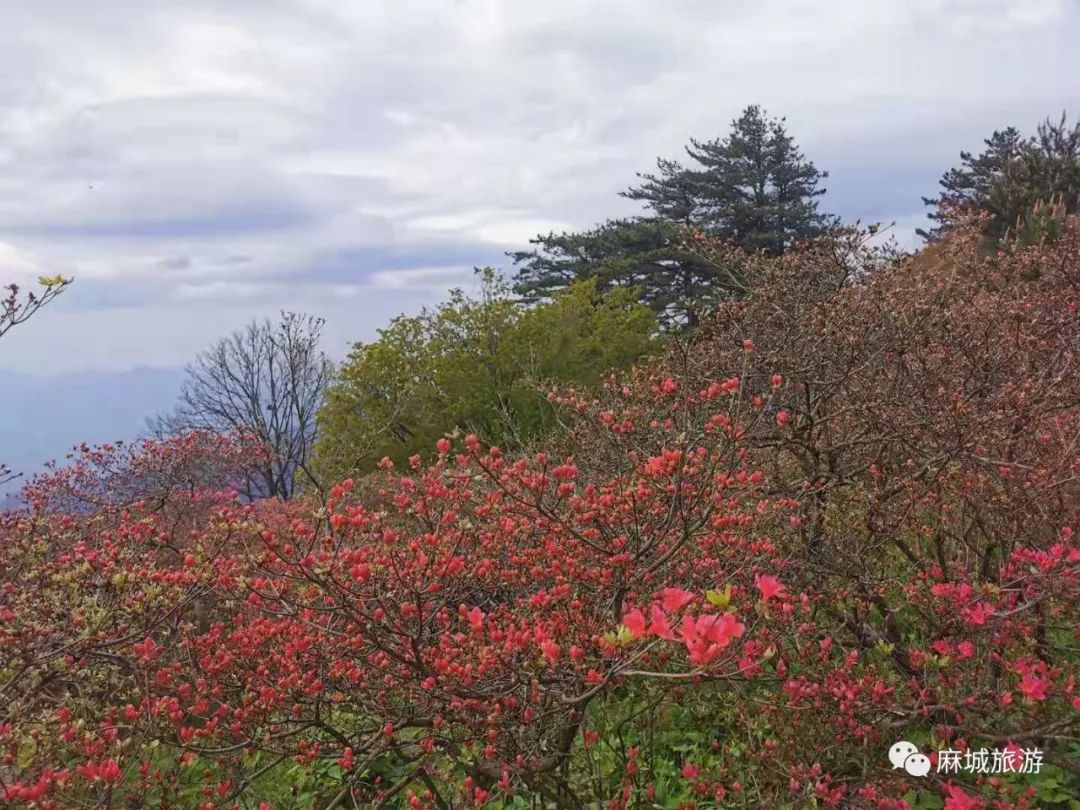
(905, 755)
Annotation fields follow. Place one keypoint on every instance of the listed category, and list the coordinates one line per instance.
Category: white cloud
(14, 264)
(194, 162)
(428, 279)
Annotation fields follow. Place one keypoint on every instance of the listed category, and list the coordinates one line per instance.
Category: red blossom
(675, 599)
(634, 621)
(769, 586)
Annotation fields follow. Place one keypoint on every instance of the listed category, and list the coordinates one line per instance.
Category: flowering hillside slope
(842, 515)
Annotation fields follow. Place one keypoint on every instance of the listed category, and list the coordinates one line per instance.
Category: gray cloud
(197, 163)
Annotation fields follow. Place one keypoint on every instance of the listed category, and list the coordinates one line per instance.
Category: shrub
(843, 516)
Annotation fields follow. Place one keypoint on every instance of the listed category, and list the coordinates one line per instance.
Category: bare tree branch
(16, 309)
(267, 379)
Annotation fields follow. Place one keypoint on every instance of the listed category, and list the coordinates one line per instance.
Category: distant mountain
(44, 417)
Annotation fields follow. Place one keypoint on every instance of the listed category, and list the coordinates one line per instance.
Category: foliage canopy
(475, 365)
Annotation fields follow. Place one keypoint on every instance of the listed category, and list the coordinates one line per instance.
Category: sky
(194, 164)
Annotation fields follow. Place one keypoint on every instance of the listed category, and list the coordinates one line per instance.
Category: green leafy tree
(474, 364)
(1015, 180)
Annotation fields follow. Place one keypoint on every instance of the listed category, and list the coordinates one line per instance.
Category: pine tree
(755, 186)
(649, 255)
(972, 186)
(1052, 166)
(672, 195)
(1011, 177)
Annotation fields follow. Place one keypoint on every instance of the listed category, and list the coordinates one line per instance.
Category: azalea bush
(843, 515)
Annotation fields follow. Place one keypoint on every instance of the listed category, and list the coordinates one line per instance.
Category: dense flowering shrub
(845, 516)
(109, 478)
(106, 559)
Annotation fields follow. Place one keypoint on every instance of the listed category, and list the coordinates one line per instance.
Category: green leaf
(884, 647)
(24, 755)
(624, 636)
(720, 599)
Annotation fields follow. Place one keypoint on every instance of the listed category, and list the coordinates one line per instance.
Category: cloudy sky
(196, 162)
